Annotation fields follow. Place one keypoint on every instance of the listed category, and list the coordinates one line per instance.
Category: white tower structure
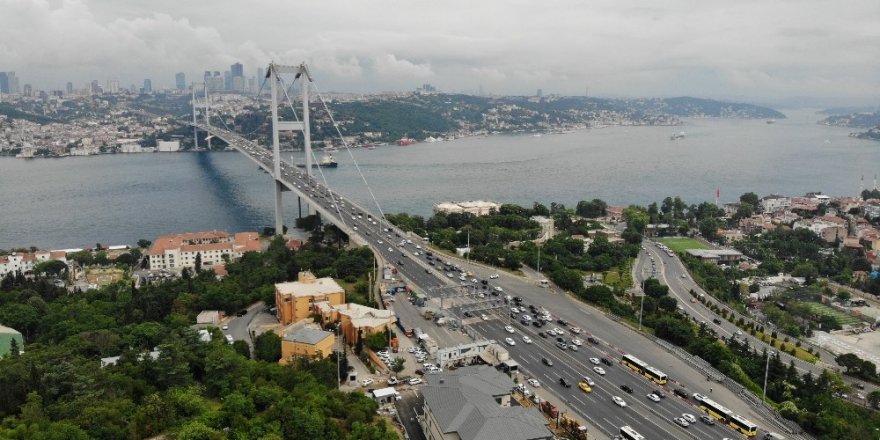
(195, 105)
(302, 72)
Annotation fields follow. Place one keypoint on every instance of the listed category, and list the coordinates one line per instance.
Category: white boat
(679, 135)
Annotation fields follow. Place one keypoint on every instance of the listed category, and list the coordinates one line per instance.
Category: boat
(404, 141)
(679, 135)
(771, 121)
(327, 161)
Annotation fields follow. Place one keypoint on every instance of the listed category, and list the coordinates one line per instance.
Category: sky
(742, 50)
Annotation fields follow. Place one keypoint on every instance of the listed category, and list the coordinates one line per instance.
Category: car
(681, 422)
(599, 370)
(573, 347)
(414, 381)
(399, 263)
(626, 388)
(594, 361)
(366, 382)
(514, 310)
(689, 417)
(527, 339)
(379, 241)
(653, 397)
(699, 397)
(707, 420)
(241, 313)
(564, 382)
(606, 361)
(588, 380)
(562, 321)
(393, 381)
(493, 276)
(619, 401)
(558, 331)
(484, 317)
(576, 341)
(659, 394)
(561, 345)
(534, 382)
(684, 275)
(390, 249)
(509, 329)
(575, 330)
(547, 362)
(680, 393)
(542, 334)
(499, 289)
(510, 341)
(225, 327)
(716, 321)
(592, 340)
(585, 387)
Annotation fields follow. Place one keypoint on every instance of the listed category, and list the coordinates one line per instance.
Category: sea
(75, 202)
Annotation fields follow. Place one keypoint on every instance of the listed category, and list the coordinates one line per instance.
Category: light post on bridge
(766, 373)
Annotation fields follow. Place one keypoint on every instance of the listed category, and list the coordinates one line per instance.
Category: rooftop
(463, 401)
(307, 335)
(308, 287)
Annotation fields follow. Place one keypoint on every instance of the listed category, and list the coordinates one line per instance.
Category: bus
(630, 434)
(644, 369)
(715, 410)
(742, 425)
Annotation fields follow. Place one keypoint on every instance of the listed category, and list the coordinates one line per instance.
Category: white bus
(626, 432)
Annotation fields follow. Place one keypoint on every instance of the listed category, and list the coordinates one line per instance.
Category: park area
(681, 244)
(841, 318)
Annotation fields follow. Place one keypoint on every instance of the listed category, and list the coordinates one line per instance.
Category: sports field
(681, 244)
(840, 317)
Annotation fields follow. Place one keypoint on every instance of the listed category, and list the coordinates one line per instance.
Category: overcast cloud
(725, 49)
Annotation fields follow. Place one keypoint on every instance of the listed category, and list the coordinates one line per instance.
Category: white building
(775, 202)
(475, 207)
(168, 146)
(179, 251)
(16, 262)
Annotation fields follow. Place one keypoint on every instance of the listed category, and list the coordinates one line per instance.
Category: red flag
(717, 193)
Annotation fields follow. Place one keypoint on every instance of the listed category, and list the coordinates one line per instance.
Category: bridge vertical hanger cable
(345, 144)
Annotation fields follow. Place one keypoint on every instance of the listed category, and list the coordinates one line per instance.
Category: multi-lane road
(650, 418)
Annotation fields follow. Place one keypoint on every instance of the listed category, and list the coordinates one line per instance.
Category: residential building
(356, 319)
(7, 335)
(179, 251)
(473, 403)
(17, 262)
(295, 300)
(774, 202)
(180, 81)
(148, 86)
(306, 342)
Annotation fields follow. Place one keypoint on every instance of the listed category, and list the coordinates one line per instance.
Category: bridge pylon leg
(279, 210)
(299, 206)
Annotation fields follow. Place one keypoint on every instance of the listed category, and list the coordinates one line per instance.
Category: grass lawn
(681, 244)
(840, 317)
(800, 353)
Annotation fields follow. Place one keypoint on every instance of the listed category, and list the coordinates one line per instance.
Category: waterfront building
(176, 252)
(475, 207)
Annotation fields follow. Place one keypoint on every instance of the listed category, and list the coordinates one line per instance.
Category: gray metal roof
(7, 330)
(307, 336)
(463, 401)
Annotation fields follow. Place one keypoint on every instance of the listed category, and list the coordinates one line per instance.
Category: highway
(671, 271)
(651, 419)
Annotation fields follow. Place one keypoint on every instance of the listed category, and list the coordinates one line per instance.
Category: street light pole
(766, 373)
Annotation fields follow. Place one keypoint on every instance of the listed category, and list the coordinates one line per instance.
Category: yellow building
(306, 342)
(294, 300)
(354, 317)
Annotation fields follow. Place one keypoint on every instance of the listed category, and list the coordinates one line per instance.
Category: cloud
(390, 65)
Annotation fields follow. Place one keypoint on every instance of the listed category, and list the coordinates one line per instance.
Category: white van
(229, 339)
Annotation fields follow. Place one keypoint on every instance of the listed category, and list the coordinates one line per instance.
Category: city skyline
(748, 51)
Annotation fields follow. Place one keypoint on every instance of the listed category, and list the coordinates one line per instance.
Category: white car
(484, 317)
(225, 327)
(366, 382)
(654, 397)
(689, 417)
(589, 381)
(618, 401)
(415, 381)
(558, 331)
(573, 347)
(499, 289)
(699, 397)
(681, 422)
(379, 241)
(390, 250)
(417, 246)
(510, 341)
(509, 329)
(576, 341)
(534, 382)
(599, 370)
(493, 276)
(527, 339)
(393, 381)
(594, 361)
(514, 310)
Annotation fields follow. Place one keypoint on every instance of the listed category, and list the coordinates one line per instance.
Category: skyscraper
(180, 79)
(227, 80)
(148, 86)
(4, 83)
(94, 88)
(69, 88)
(237, 70)
(13, 82)
(28, 90)
(112, 86)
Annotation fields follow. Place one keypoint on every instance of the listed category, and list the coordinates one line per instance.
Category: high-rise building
(94, 88)
(180, 79)
(237, 70)
(260, 75)
(207, 75)
(4, 83)
(148, 86)
(13, 82)
(69, 88)
(28, 90)
(112, 86)
(227, 80)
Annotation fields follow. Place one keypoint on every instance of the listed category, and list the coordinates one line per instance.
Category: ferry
(404, 141)
(679, 135)
(327, 161)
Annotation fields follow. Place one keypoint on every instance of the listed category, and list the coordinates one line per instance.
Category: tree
(143, 243)
(709, 228)
(53, 268)
(14, 351)
(267, 347)
(592, 209)
(397, 365)
(198, 262)
(750, 199)
(874, 399)
(242, 348)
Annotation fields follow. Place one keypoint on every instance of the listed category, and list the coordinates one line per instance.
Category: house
(7, 335)
(295, 300)
(473, 403)
(385, 395)
(717, 256)
(182, 250)
(774, 202)
(356, 319)
(306, 342)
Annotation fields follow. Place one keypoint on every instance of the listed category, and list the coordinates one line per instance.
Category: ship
(771, 121)
(679, 135)
(327, 161)
(404, 141)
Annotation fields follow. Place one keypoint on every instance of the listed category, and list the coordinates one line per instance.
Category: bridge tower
(196, 106)
(273, 73)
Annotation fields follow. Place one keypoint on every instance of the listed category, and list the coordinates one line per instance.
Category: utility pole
(766, 374)
(207, 116)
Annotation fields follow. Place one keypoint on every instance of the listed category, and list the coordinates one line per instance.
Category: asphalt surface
(649, 418)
